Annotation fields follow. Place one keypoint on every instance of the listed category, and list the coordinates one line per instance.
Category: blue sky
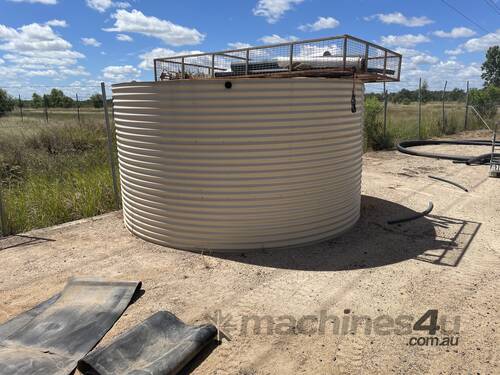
(77, 43)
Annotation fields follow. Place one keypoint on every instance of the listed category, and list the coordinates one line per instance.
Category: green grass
(55, 172)
(402, 120)
(43, 200)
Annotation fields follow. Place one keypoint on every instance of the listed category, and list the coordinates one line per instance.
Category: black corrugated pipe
(405, 146)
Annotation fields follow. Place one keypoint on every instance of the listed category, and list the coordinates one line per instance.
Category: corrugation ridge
(255, 196)
(248, 243)
(268, 163)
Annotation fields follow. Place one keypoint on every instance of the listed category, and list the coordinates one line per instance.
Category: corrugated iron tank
(238, 165)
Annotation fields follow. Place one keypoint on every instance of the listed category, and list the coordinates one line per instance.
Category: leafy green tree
(36, 100)
(426, 94)
(456, 95)
(486, 100)
(46, 100)
(403, 96)
(374, 131)
(57, 99)
(491, 67)
(96, 100)
(6, 102)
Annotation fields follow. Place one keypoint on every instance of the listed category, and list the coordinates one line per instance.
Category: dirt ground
(448, 261)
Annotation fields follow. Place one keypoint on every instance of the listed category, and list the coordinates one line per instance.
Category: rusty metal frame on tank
(364, 49)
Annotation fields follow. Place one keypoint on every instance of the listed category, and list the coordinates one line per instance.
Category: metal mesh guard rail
(337, 56)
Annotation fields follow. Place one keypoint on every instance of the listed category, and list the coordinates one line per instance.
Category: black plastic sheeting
(53, 336)
(19, 321)
(160, 345)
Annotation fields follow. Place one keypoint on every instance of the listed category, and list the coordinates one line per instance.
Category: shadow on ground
(20, 240)
(373, 243)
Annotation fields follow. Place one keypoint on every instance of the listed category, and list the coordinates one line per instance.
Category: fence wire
(54, 146)
(57, 157)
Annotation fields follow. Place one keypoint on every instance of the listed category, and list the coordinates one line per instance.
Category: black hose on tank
(353, 95)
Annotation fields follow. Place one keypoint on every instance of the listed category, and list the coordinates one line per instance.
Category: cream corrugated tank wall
(266, 163)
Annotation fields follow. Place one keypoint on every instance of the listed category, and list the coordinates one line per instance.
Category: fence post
(247, 59)
(156, 73)
(110, 145)
(212, 74)
(385, 112)
(419, 107)
(344, 52)
(21, 108)
(78, 108)
(466, 107)
(444, 119)
(46, 105)
(3, 221)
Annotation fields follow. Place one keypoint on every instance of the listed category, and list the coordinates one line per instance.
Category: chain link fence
(415, 112)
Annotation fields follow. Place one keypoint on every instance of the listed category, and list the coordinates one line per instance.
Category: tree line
(55, 99)
(405, 96)
(485, 100)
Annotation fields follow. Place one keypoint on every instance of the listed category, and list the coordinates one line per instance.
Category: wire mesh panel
(321, 54)
(328, 57)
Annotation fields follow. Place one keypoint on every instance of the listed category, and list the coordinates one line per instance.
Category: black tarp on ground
(19, 321)
(53, 336)
(160, 345)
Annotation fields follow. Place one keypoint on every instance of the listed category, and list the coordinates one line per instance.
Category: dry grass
(53, 173)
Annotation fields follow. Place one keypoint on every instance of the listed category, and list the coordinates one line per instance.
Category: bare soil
(448, 261)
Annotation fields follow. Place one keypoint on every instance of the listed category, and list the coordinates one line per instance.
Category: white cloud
(74, 71)
(273, 10)
(239, 45)
(100, 5)
(456, 32)
(103, 5)
(321, 23)
(275, 39)
(32, 37)
(136, 22)
(36, 50)
(46, 2)
(453, 71)
(414, 59)
(124, 38)
(117, 73)
(400, 19)
(57, 23)
(482, 43)
(52, 58)
(148, 57)
(454, 52)
(423, 59)
(407, 40)
(91, 42)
